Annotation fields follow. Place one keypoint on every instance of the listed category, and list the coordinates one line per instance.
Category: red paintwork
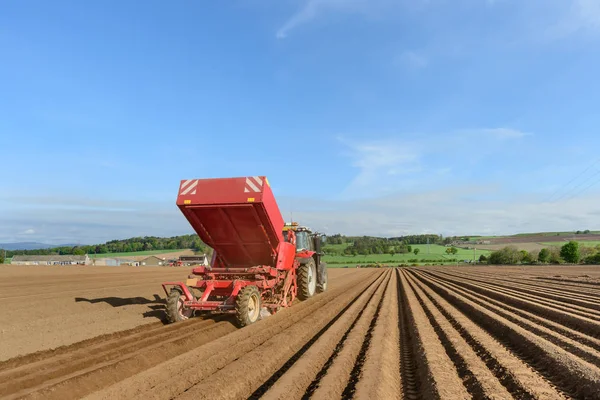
(242, 232)
(305, 253)
(244, 228)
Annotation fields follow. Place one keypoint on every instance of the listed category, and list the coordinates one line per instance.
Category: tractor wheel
(323, 285)
(307, 280)
(175, 310)
(247, 306)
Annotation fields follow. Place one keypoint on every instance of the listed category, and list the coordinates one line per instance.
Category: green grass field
(134, 253)
(437, 254)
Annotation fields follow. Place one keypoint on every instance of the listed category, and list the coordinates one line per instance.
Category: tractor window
(303, 241)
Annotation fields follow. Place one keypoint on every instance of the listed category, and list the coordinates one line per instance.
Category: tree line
(145, 243)
(570, 253)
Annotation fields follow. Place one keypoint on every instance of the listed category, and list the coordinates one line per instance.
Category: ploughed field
(431, 332)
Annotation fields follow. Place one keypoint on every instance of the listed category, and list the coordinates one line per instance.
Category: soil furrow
(98, 376)
(381, 371)
(515, 376)
(438, 376)
(552, 334)
(200, 363)
(300, 337)
(81, 358)
(587, 308)
(293, 379)
(410, 381)
(333, 377)
(550, 288)
(478, 380)
(571, 374)
(356, 372)
(571, 320)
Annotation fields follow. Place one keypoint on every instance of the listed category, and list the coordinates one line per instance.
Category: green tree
(555, 257)
(506, 256)
(544, 256)
(416, 250)
(409, 248)
(570, 252)
(392, 251)
(1, 256)
(482, 258)
(526, 257)
(593, 260)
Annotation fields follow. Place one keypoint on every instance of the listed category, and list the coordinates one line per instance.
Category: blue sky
(369, 117)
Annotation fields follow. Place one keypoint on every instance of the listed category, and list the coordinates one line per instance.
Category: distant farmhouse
(153, 260)
(114, 262)
(194, 260)
(51, 260)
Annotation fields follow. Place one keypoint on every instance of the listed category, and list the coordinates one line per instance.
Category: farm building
(194, 260)
(152, 260)
(110, 262)
(50, 260)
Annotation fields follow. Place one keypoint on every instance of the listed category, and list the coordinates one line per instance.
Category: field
(436, 253)
(426, 332)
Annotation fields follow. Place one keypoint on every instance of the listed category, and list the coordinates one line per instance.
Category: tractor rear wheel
(175, 310)
(307, 279)
(247, 306)
(323, 285)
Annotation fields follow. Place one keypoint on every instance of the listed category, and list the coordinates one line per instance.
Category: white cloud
(453, 211)
(586, 13)
(378, 159)
(307, 13)
(411, 59)
(384, 165)
(505, 133)
(312, 9)
(79, 220)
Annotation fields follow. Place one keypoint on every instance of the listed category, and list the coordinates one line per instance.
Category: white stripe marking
(246, 190)
(258, 180)
(189, 188)
(252, 185)
(184, 184)
(194, 192)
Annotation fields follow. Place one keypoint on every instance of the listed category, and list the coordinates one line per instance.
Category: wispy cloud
(505, 133)
(411, 59)
(80, 220)
(584, 15)
(312, 9)
(449, 211)
(409, 160)
(378, 159)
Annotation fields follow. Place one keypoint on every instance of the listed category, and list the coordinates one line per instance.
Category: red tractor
(259, 264)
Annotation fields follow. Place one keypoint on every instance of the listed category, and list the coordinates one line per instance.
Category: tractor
(259, 265)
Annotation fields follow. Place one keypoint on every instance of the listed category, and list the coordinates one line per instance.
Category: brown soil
(435, 332)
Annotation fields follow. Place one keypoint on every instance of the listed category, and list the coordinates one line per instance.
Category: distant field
(436, 252)
(531, 236)
(590, 243)
(136, 253)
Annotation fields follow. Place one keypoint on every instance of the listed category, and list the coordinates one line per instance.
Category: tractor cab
(306, 240)
(308, 253)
